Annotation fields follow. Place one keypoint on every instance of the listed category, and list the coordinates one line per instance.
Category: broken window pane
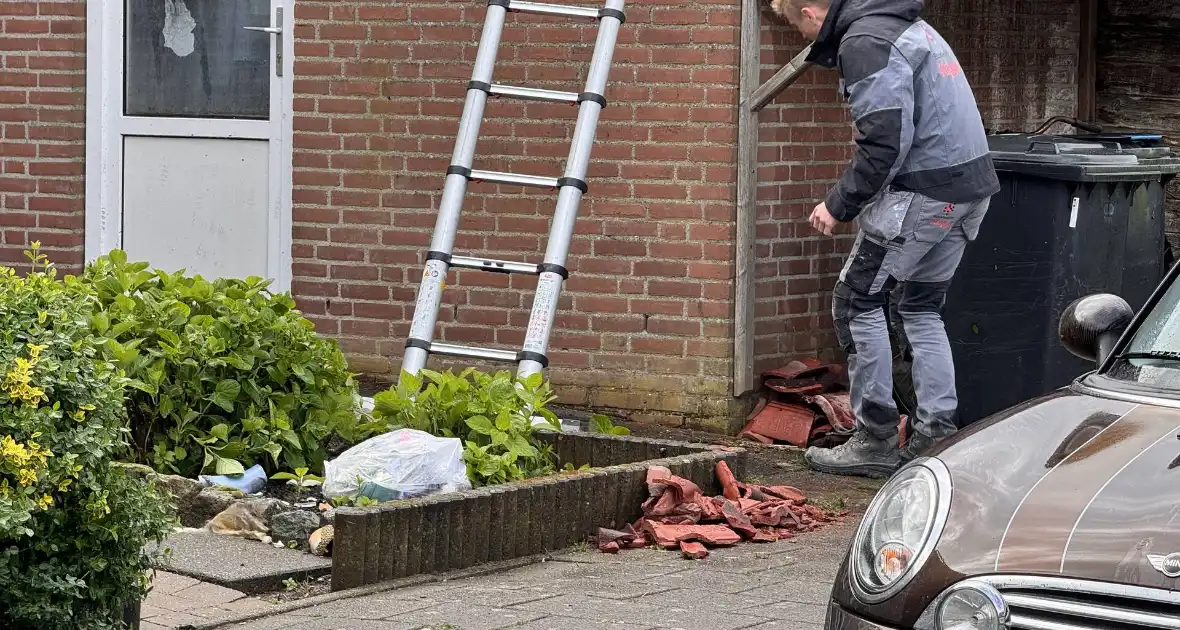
(193, 58)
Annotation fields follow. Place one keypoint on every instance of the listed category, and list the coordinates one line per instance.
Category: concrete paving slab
(209, 594)
(459, 616)
(487, 595)
(349, 624)
(786, 625)
(623, 591)
(237, 563)
(808, 592)
(795, 612)
(628, 611)
(177, 599)
(164, 583)
(705, 579)
(368, 608)
(557, 622)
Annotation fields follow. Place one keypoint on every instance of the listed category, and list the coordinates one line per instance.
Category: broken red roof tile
(783, 422)
(794, 368)
(757, 438)
(728, 483)
(694, 550)
(657, 480)
(837, 409)
(669, 536)
(764, 536)
(787, 493)
(746, 504)
(801, 386)
(738, 521)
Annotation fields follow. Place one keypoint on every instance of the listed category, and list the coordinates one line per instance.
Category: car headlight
(968, 605)
(900, 529)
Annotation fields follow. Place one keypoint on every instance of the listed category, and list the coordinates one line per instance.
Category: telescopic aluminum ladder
(531, 358)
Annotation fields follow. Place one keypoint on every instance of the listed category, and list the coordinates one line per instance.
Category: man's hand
(822, 220)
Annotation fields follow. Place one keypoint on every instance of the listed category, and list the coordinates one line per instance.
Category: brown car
(1062, 513)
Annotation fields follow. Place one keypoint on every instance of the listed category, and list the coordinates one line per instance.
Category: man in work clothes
(918, 187)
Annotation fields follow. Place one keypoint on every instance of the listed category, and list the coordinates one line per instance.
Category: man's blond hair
(793, 7)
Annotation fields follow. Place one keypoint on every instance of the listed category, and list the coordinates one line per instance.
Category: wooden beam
(781, 80)
(1088, 62)
(747, 192)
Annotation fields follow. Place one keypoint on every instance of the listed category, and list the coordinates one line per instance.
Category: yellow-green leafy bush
(72, 526)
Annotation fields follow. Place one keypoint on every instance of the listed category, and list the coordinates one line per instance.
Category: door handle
(277, 31)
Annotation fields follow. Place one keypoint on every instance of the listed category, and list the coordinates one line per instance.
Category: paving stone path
(775, 586)
(177, 600)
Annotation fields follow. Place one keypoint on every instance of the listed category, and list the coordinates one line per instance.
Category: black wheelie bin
(1077, 214)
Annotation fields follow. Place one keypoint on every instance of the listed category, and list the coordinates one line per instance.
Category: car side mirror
(1091, 325)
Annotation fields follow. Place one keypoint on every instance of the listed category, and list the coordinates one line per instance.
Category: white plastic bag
(398, 465)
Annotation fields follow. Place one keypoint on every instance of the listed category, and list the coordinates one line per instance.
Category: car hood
(1069, 485)
(1072, 485)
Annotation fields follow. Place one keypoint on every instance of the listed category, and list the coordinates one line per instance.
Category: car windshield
(1152, 358)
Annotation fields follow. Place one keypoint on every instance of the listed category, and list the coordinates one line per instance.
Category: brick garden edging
(492, 524)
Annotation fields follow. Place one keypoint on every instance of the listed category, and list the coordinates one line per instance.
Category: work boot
(861, 456)
(916, 445)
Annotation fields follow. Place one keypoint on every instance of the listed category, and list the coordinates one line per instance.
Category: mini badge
(1169, 565)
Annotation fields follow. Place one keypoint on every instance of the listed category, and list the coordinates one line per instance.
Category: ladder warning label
(544, 306)
(429, 296)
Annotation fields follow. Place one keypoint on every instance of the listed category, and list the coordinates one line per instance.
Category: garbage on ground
(320, 541)
(678, 515)
(804, 403)
(249, 482)
(397, 465)
(567, 426)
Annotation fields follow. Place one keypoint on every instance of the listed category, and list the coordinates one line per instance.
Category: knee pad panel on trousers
(849, 303)
(922, 297)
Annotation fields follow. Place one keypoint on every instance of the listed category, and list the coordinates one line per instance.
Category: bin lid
(1110, 157)
(1023, 147)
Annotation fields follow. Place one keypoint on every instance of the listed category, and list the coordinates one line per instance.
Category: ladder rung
(493, 177)
(534, 94)
(544, 8)
(489, 264)
(493, 354)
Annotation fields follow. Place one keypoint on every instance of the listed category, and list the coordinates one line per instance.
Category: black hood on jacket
(843, 13)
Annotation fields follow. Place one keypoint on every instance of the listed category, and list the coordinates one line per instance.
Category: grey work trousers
(910, 246)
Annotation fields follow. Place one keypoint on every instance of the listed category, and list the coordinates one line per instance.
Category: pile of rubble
(804, 403)
(678, 514)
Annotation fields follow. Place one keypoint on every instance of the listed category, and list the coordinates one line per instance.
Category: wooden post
(747, 192)
(752, 98)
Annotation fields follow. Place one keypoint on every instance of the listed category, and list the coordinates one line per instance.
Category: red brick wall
(1021, 58)
(804, 143)
(645, 322)
(42, 129)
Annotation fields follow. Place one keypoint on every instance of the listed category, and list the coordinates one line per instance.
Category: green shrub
(72, 526)
(491, 413)
(225, 374)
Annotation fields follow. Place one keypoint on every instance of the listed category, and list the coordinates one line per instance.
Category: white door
(189, 135)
